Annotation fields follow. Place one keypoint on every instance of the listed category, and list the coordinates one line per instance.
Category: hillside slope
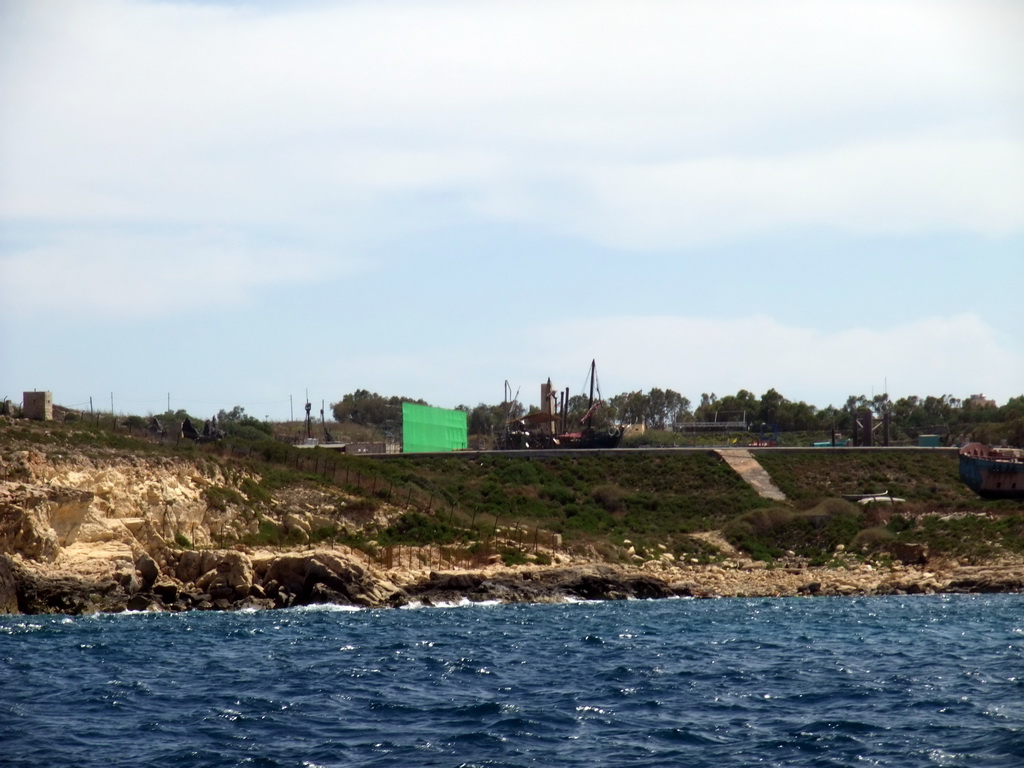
(94, 520)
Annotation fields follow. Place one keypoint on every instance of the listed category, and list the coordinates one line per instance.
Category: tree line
(665, 409)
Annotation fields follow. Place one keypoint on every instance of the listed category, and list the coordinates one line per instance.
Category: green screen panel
(426, 429)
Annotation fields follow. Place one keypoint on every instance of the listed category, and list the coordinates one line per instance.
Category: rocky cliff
(81, 533)
(100, 531)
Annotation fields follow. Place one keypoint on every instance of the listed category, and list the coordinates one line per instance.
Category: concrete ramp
(747, 467)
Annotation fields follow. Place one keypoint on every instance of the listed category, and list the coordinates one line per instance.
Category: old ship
(993, 473)
(549, 427)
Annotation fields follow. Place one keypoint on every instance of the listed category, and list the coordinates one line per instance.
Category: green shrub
(511, 556)
(359, 504)
(218, 497)
(611, 498)
(872, 539)
(899, 523)
(254, 492)
(271, 450)
(766, 533)
(418, 529)
(271, 535)
(248, 433)
(589, 520)
(557, 493)
(323, 533)
(275, 478)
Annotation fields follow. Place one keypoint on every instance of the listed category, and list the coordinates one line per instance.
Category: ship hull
(991, 473)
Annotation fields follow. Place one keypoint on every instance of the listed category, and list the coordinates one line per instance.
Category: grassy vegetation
(929, 477)
(656, 498)
(218, 497)
(973, 537)
(504, 504)
(270, 534)
(815, 533)
(417, 529)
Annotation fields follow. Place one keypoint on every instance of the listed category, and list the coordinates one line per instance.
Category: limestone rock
(348, 581)
(8, 586)
(167, 591)
(148, 570)
(909, 554)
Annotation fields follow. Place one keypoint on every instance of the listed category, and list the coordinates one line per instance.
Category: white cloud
(652, 125)
(957, 355)
(897, 187)
(149, 275)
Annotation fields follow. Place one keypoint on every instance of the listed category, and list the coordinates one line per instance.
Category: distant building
(980, 401)
(37, 405)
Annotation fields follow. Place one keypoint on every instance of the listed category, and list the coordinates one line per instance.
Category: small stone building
(37, 405)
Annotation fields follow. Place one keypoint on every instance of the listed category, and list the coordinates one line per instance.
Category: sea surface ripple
(881, 681)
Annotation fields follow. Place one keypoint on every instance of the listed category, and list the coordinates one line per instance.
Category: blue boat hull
(992, 478)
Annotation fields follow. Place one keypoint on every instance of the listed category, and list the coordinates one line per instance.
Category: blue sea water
(883, 681)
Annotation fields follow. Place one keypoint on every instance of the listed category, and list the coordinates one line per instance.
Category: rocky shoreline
(231, 580)
(106, 533)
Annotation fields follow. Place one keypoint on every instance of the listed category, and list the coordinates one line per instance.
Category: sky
(206, 204)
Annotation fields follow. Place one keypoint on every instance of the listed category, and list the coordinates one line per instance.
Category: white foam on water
(464, 602)
(325, 608)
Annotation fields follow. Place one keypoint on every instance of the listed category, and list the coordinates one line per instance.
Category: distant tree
(237, 423)
(881, 404)
(372, 410)
(939, 409)
(657, 409)
(830, 418)
(706, 410)
(665, 407)
(742, 405)
(629, 407)
(577, 409)
(772, 408)
(981, 412)
(489, 419)
(1014, 409)
(235, 414)
(802, 417)
(855, 402)
(660, 408)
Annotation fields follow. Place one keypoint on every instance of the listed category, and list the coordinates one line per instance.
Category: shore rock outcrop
(111, 533)
(8, 587)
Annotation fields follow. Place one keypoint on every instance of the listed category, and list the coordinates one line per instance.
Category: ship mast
(590, 405)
